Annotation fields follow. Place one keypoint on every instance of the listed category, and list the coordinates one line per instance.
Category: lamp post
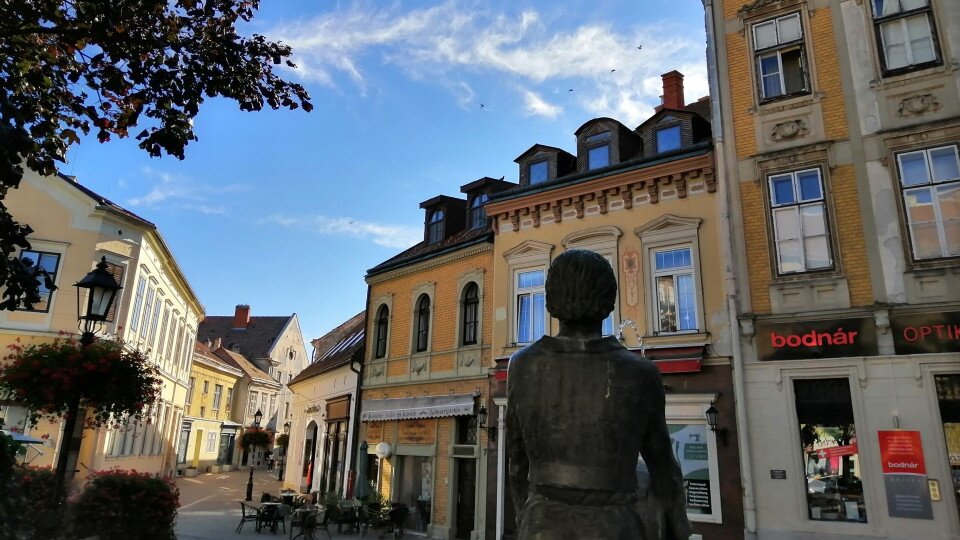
(101, 289)
(283, 456)
(256, 425)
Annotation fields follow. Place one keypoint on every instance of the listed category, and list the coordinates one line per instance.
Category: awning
(229, 426)
(676, 359)
(376, 410)
(20, 437)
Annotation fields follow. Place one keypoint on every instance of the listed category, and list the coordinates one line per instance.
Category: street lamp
(256, 425)
(283, 455)
(101, 289)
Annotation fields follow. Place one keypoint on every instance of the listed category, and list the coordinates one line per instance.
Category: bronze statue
(581, 409)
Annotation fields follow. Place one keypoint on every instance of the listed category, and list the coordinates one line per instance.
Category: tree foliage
(72, 67)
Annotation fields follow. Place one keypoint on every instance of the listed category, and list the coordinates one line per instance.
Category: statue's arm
(666, 478)
(517, 453)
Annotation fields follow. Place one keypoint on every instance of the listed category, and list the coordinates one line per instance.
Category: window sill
(932, 266)
(903, 76)
(787, 102)
(673, 339)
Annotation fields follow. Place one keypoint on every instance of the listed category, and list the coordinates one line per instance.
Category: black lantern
(482, 416)
(713, 416)
(286, 428)
(101, 289)
(257, 418)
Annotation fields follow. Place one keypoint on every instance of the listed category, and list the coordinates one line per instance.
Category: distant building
(156, 312)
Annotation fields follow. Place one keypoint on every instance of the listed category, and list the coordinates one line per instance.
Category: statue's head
(580, 287)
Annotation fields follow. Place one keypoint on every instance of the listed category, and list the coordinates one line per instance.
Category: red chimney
(241, 317)
(673, 90)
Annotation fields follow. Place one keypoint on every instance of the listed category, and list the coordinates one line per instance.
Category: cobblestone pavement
(210, 508)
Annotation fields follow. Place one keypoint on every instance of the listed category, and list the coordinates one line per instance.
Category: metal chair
(398, 518)
(248, 513)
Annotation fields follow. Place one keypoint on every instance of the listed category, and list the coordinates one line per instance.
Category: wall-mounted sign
(905, 475)
(421, 431)
(313, 409)
(778, 474)
(816, 339)
(374, 432)
(926, 332)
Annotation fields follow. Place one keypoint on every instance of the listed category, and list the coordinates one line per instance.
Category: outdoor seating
(308, 519)
(423, 514)
(248, 513)
(347, 514)
(269, 516)
(398, 517)
(372, 517)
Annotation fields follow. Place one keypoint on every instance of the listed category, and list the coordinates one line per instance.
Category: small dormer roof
(594, 121)
(495, 185)
(439, 200)
(539, 148)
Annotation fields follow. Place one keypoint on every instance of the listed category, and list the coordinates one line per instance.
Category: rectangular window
(675, 290)
(252, 408)
(138, 304)
(217, 395)
(116, 271)
(190, 390)
(211, 441)
(49, 263)
(800, 222)
(539, 172)
(598, 156)
(229, 397)
(147, 309)
(263, 405)
(668, 139)
(203, 412)
(162, 346)
(828, 442)
(930, 187)
(273, 405)
(778, 48)
(531, 306)
(154, 320)
(905, 33)
(206, 386)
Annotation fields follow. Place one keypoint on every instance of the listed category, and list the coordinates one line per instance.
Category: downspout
(355, 443)
(730, 279)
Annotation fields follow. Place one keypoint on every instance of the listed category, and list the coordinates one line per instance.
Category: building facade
(156, 312)
(841, 125)
(323, 431)
(646, 199)
(212, 434)
(425, 369)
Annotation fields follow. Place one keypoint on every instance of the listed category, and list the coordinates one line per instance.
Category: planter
(190, 472)
(214, 468)
(226, 468)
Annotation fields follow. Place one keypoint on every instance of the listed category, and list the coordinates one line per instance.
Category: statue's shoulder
(525, 356)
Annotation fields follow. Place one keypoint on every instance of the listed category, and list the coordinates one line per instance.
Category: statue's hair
(580, 286)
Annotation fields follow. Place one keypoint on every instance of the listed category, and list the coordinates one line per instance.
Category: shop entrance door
(948, 396)
(466, 495)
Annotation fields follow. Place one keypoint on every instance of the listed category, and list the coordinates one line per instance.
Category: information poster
(690, 449)
(905, 475)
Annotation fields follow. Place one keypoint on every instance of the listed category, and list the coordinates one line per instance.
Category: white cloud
(392, 236)
(185, 192)
(453, 39)
(537, 106)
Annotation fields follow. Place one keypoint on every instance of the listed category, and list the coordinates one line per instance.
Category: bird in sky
(570, 90)
(481, 105)
(612, 70)
(639, 47)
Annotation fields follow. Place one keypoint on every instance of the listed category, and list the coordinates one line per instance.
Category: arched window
(478, 216)
(471, 304)
(435, 227)
(383, 320)
(423, 322)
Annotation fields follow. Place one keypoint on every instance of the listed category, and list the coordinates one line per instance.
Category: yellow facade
(210, 445)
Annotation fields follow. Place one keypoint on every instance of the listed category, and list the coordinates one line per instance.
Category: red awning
(681, 359)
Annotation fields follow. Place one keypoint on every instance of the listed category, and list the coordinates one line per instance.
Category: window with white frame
(47, 263)
(229, 397)
(603, 241)
(252, 408)
(779, 52)
(531, 305)
(193, 382)
(675, 289)
(217, 396)
(211, 441)
(801, 235)
(147, 309)
(905, 33)
(930, 187)
(138, 304)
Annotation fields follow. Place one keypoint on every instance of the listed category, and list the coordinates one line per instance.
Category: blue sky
(285, 210)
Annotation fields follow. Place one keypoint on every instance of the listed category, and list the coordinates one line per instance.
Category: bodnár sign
(816, 339)
(926, 333)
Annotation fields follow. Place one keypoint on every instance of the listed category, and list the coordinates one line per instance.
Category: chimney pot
(216, 343)
(241, 317)
(673, 90)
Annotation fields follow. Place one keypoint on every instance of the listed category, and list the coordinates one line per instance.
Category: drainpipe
(355, 443)
(730, 278)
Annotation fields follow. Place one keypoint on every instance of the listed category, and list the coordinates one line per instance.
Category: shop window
(948, 397)
(778, 50)
(905, 33)
(930, 187)
(831, 460)
(799, 216)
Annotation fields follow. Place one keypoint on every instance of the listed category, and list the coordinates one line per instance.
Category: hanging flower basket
(283, 440)
(110, 380)
(254, 437)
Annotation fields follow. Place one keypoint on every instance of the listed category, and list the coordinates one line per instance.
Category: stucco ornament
(790, 129)
(918, 104)
(581, 410)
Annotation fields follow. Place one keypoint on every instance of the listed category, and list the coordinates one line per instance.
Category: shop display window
(831, 460)
(415, 489)
(948, 396)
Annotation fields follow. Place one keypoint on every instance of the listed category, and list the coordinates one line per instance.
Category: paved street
(209, 507)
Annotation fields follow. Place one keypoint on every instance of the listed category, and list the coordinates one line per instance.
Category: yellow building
(211, 438)
(426, 367)
(156, 311)
(646, 199)
(841, 144)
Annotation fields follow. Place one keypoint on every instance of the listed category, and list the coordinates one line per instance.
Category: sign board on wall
(690, 449)
(374, 432)
(905, 475)
(420, 431)
(926, 332)
(804, 340)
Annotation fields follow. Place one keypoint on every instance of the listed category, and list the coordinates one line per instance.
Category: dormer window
(435, 227)
(539, 172)
(599, 154)
(478, 216)
(668, 138)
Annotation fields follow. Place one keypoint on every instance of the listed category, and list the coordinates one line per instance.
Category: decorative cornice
(604, 232)
(430, 263)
